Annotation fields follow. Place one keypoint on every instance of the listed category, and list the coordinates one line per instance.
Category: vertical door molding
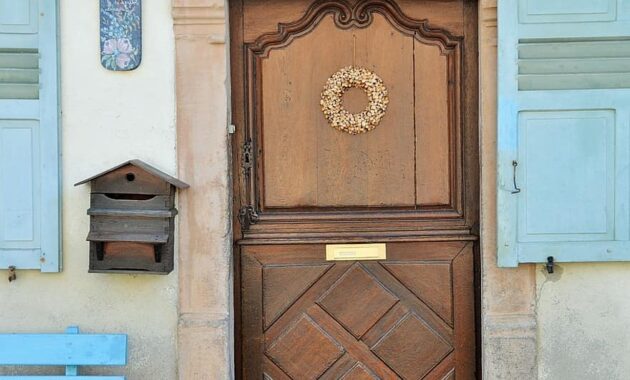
(508, 319)
(205, 336)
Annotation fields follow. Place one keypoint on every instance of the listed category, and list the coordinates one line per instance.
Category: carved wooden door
(405, 174)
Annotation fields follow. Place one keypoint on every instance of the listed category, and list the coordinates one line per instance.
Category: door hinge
(246, 158)
(247, 216)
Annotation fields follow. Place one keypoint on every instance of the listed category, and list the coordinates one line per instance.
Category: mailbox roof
(144, 166)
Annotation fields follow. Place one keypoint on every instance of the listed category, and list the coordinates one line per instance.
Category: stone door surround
(205, 329)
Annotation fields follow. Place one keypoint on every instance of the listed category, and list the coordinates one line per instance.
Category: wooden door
(411, 182)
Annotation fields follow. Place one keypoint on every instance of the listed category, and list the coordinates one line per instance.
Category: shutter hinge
(246, 158)
(12, 275)
(247, 216)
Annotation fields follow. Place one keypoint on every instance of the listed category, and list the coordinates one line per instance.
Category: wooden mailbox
(132, 213)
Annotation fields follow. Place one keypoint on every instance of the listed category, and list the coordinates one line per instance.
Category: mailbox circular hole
(130, 177)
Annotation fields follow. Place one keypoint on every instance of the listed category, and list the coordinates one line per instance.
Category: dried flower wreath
(332, 103)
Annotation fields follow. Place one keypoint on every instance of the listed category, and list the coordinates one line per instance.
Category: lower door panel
(410, 316)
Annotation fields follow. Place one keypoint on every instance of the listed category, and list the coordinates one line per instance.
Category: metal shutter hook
(516, 188)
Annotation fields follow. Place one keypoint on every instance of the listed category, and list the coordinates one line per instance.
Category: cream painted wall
(107, 118)
(583, 313)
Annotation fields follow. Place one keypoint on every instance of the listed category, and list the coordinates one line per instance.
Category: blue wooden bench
(70, 350)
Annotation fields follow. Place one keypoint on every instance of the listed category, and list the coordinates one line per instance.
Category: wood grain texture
(129, 253)
(130, 179)
(429, 282)
(341, 366)
(357, 301)
(411, 348)
(433, 148)
(411, 183)
(251, 328)
(257, 22)
(359, 372)
(357, 318)
(277, 297)
(305, 350)
(412, 163)
(464, 317)
(336, 169)
(132, 219)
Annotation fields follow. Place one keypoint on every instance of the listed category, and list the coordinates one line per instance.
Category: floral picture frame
(121, 34)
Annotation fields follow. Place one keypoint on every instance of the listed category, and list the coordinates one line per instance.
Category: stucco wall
(583, 313)
(572, 325)
(107, 118)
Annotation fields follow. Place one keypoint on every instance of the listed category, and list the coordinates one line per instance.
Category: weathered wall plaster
(205, 330)
(508, 321)
(108, 117)
(583, 314)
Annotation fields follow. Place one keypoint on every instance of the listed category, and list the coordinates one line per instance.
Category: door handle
(516, 188)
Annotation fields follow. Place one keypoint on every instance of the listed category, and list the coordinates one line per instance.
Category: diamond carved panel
(304, 351)
(359, 372)
(356, 320)
(357, 301)
(430, 282)
(282, 285)
(412, 349)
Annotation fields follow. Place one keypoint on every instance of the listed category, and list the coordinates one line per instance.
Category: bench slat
(62, 349)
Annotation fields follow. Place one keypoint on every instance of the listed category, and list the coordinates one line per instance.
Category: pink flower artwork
(120, 34)
(120, 50)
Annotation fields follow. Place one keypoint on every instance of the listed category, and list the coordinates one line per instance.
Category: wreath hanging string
(332, 103)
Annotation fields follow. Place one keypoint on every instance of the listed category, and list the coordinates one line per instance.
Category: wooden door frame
(205, 332)
(470, 151)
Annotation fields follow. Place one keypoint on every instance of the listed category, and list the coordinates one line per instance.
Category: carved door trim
(455, 218)
(274, 237)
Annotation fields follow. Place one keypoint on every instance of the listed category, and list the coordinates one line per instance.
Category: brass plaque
(338, 252)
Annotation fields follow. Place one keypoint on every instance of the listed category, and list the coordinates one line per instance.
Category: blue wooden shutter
(29, 135)
(564, 131)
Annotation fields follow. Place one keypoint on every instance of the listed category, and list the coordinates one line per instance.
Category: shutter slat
(19, 74)
(19, 91)
(587, 64)
(574, 81)
(573, 65)
(26, 76)
(575, 49)
(28, 59)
